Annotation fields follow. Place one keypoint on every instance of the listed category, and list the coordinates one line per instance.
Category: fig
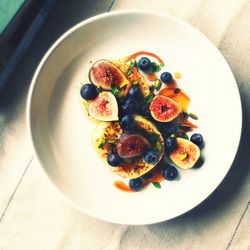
(186, 154)
(179, 95)
(104, 107)
(107, 135)
(103, 74)
(131, 145)
(164, 109)
(133, 75)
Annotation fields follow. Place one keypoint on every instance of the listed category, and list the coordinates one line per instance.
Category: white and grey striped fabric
(34, 216)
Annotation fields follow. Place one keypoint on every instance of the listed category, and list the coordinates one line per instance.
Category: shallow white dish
(61, 135)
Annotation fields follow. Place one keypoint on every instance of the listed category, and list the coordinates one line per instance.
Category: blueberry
(145, 64)
(114, 159)
(168, 130)
(151, 156)
(170, 144)
(197, 139)
(128, 122)
(130, 106)
(88, 91)
(169, 172)
(135, 92)
(135, 184)
(166, 77)
(199, 163)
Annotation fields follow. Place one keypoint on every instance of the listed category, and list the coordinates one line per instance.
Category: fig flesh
(180, 97)
(103, 74)
(112, 132)
(104, 107)
(164, 109)
(186, 154)
(132, 145)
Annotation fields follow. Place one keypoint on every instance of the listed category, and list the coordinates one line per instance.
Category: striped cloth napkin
(34, 216)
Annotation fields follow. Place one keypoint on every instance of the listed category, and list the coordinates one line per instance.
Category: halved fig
(109, 133)
(179, 96)
(104, 107)
(103, 74)
(164, 109)
(131, 145)
(186, 154)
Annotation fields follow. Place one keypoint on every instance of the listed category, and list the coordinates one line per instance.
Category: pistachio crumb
(183, 156)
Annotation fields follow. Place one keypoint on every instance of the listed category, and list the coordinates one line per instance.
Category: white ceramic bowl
(61, 135)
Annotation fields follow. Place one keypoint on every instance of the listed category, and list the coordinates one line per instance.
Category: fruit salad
(144, 131)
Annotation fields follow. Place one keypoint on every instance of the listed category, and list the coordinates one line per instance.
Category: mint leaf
(148, 99)
(133, 63)
(156, 184)
(129, 72)
(156, 67)
(115, 89)
(103, 143)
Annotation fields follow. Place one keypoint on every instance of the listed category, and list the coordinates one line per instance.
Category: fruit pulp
(180, 97)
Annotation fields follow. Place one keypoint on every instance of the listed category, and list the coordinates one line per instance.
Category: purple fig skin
(132, 145)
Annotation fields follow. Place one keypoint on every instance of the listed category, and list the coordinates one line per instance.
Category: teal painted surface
(8, 9)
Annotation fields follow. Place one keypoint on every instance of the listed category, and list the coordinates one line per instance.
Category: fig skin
(104, 107)
(132, 145)
(104, 73)
(164, 109)
(112, 132)
(186, 154)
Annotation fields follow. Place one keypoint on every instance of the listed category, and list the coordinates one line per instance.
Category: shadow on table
(222, 199)
(62, 17)
(195, 222)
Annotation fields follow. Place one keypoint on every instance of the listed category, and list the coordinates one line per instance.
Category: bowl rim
(42, 63)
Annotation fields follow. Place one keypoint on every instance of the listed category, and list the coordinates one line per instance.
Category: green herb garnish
(133, 63)
(156, 184)
(193, 116)
(157, 84)
(156, 67)
(129, 72)
(103, 143)
(115, 89)
(148, 99)
(184, 136)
